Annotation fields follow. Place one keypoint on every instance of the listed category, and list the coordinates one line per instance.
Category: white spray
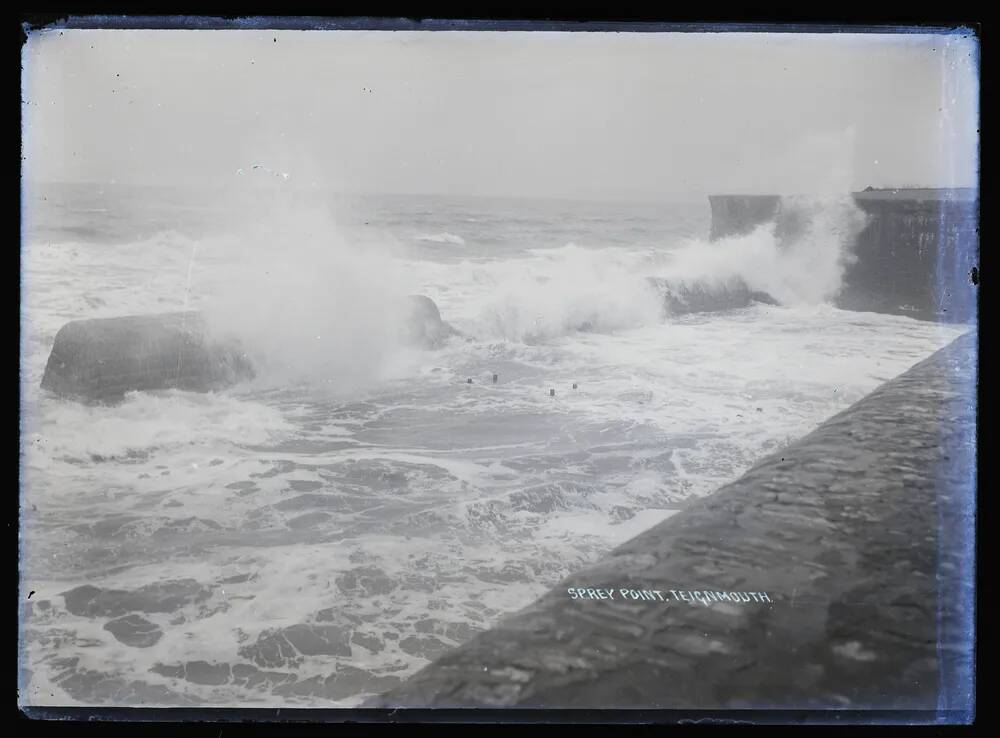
(308, 305)
(804, 266)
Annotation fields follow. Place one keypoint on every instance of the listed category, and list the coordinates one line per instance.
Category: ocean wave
(313, 306)
(146, 423)
(559, 291)
(553, 292)
(802, 265)
(442, 238)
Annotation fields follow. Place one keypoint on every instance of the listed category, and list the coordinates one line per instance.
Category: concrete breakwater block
(100, 360)
(836, 573)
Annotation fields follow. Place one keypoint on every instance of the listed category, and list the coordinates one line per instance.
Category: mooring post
(494, 379)
(469, 380)
(552, 393)
(574, 385)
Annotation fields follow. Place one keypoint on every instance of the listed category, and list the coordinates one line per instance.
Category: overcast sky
(589, 115)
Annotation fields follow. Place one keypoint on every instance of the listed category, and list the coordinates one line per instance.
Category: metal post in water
(574, 385)
(495, 379)
(469, 380)
(552, 393)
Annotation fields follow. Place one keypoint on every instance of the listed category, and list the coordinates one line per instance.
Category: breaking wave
(442, 238)
(797, 260)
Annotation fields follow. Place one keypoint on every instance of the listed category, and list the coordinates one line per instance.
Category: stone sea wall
(914, 257)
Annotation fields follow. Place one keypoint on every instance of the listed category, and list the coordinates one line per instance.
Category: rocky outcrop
(837, 573)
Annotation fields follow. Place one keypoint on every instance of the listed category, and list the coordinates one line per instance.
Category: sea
(316, 535)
